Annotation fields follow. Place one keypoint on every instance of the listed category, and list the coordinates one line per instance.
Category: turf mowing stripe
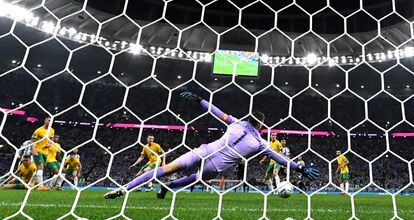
(235, 209)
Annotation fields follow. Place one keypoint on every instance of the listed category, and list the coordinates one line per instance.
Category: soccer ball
(285, 189)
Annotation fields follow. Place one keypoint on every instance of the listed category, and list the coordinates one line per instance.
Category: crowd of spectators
(98, 139)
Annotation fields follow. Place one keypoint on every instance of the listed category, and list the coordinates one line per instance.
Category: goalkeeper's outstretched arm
(216, 111)
(309, 172)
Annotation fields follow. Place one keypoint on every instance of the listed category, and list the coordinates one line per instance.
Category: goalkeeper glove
(309, 172)
(191, 96)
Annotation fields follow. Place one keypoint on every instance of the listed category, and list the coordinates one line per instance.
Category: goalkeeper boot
(163, 191)
(114, 194)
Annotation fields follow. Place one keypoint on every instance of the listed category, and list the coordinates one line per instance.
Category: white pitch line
(234, 209)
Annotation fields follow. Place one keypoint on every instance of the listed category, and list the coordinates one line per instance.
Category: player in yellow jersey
(52, 161)
(151, 150)
(25, 170)
(343, 171)
(73, 167)
(273, 167)
(40, 151)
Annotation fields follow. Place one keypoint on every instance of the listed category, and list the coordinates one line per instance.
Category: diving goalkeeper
(242, 138)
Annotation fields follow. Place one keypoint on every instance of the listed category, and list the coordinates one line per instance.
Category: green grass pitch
(201, 205)
(224, 64)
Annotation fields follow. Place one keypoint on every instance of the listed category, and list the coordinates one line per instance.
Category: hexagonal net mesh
(334, 81)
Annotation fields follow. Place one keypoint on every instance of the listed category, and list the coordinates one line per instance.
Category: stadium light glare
(208, 58)
(409, 51)
(388, 87)
(331, 62)
(14, 61)
(78, 36)
(3, 9)
(72, 31)
(343, 59)
(178, 77)
(34, 21)
(286, 83)
(370, 57)
(337, 85)
(389, 54)
(19, 13)
(382, 56)
(62, 31)
(264, 57)
(135, 48)
(407, 86)
(362, 86)
(48, 26)
(311, 58)
(39, 65)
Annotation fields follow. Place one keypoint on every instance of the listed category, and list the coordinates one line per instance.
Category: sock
(270, 184)
(277, 179)
(346, 187)
(150, 185)
(53, 181)
(342, 186)
(39, 177)
(75, 181)
(59, 181)
(144, 178)
(183, 181)
(49, 183)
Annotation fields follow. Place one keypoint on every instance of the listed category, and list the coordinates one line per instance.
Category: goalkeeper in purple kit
(242, 138)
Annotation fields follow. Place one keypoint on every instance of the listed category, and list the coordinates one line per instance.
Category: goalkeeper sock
(277, 179)
(342, 186)
(346, 187)
(144, 178)
(150, 185)
(270, 184)
(75, 181)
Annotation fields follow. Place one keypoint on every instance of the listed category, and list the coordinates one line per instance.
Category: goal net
(333, 78)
